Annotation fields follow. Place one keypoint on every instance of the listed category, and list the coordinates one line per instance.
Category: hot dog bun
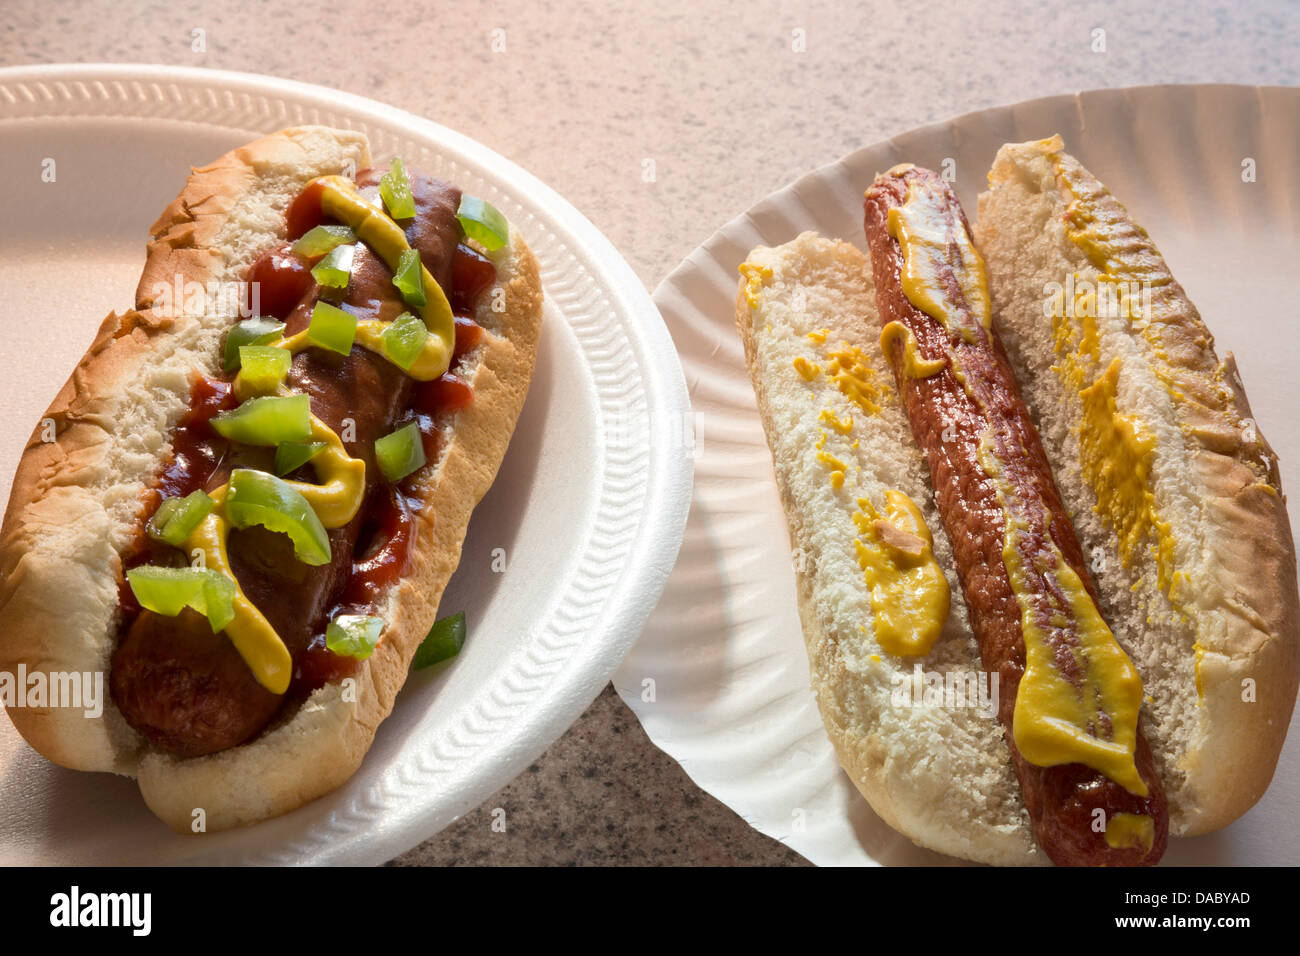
(1233, 615)
(77, 501)
(904, 760)
(942, 776)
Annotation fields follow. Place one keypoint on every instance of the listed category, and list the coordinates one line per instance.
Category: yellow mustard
(1057, 721)
(913, 365)
(340, 199)
(335, 500)
(936, 247)
(1130, 831)
(841, 425)
(1200, 660)
(338, 497)
(830, 461)
(251, 633)
(755, 275)
(1116, 246)
(1123, 252)
(1115, 453)
(1080, 343)
(909, 594)
(855, 378)
(827, 459)
(806, 369)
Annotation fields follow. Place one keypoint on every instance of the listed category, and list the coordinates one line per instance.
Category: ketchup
(387, 554)
(448, 393)
(468, 335)
(305, 212)
(196, 448)
(318, 665)
(278, 281)
(383, 554)
(196, 452)
(471, 273)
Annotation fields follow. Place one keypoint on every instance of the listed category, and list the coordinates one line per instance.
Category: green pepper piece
(255, 331)
(354, 635)
(168, 591)
(401, 452)
(395, 188)
(404, 339)
(263, 367)
(260, 498)
(321, 239)
(482, 222)
(409, 279)
(444, 641)
(335, 270)
(268, 420)
(177, 517)
(292, 455)
(332, 328)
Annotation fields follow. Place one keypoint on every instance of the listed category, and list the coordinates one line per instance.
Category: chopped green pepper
(292, 455)
(395, 188)
(255, 331)
(263, 367)
(268, 420)
(354, 635)
(401, 452)
(409, 278)
(259, 498)
(335, 270)
(177, 517)
(444, 641)
(321, 239)
(332, 328)
(168, 591)
(482, 222)
(403, 340)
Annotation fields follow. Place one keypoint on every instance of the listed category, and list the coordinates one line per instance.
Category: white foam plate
(731, 699)
(589, 505)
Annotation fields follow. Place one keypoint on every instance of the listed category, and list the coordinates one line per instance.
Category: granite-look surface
(730, 101)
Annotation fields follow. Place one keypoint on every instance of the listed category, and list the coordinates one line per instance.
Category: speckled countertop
(731, 101)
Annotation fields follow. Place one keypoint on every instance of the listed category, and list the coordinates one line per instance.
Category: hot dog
(251, 542)
(935, 526)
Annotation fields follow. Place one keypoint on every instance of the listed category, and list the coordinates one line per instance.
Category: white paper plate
(589, 505)
(724, 649)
